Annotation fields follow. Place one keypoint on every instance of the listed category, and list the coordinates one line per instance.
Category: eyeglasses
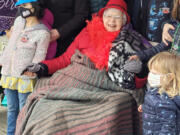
(112, 17)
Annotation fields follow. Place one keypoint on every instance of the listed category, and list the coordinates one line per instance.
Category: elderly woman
(81, 97)
(95, 41)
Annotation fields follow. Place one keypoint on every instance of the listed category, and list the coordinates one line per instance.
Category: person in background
(161, 107)
(96, 5)
(174, 46)
(69, 19)
(149, 17)
(166, 37)
(28, 44)
(48, 20)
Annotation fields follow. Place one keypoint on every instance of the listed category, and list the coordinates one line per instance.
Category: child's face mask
(25, 12)
(154, 80)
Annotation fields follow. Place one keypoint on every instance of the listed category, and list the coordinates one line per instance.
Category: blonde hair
(167, 63)
(176, 10)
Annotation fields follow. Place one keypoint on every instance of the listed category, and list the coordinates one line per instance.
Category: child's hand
(140, 108)
(29, 74)
(134, 57)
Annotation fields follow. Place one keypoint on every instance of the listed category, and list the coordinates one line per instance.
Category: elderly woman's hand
(165, 34)
(133, 66)
(134, 57)
(39, 69)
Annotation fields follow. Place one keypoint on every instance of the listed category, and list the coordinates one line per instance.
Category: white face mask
(154, 80)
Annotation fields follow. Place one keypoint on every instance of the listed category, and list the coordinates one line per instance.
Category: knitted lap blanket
(79, 100)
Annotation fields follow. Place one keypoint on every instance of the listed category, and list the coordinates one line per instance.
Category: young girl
(161, 107)
(173, 47)
(27, 45)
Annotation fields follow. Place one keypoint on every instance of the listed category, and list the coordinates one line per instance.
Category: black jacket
(149, 15)
(69, 19)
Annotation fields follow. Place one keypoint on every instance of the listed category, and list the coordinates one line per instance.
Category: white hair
(124, 15)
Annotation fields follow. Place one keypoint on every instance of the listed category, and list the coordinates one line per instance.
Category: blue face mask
(25, 12)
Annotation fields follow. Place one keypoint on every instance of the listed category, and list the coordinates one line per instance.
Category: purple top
(48, 21)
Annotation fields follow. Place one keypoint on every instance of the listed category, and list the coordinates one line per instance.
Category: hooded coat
(161, 114)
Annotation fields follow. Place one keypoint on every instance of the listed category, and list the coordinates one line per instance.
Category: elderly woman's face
(113, 19)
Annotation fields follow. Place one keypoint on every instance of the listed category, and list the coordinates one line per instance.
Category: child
(161, 107)
(47, 20)
(174, 47)
(27, 45)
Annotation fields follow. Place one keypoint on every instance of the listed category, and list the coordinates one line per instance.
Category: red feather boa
(102, 42)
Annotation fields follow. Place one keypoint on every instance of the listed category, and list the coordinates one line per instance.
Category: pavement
(3, 115)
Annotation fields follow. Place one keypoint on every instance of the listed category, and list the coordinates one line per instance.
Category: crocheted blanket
(80, 100)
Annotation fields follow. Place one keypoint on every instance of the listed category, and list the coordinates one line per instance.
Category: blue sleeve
(145, 55)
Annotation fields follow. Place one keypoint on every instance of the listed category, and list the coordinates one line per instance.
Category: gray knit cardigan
(26, 46)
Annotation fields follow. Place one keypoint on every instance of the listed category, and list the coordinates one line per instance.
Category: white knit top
(25, 46)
